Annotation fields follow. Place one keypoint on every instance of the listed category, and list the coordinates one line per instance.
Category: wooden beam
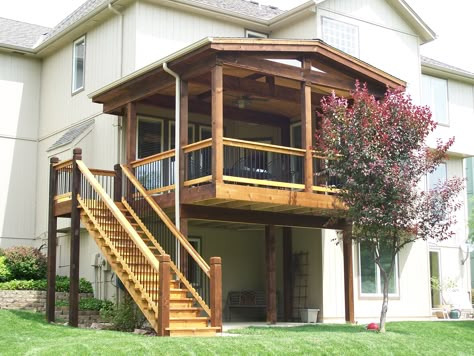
(287, 274)
(131, 133)
(74, 254)
(52, 242)
(217, 118)
(270, 273)
(215, 265)
(286, 71)
(348, 273)
(258, 217)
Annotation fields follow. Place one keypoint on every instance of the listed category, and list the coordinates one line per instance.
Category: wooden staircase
(140, 262)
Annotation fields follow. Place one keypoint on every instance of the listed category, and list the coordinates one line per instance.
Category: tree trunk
(383, 313)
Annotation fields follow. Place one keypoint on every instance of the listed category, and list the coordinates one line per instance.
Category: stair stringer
(120, 267)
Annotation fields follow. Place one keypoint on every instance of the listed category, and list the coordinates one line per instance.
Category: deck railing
(156, 173)
(198, 162)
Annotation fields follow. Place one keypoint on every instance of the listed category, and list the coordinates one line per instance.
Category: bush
(125, 317)
(5, 274)
(89, 304)
(2, 252)
(25, 263)
(62, 285)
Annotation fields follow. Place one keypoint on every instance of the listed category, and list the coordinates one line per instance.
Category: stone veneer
(36, 301)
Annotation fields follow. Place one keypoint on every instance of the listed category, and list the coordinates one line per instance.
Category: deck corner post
(217, 116)
(118, 182)
(348, 273)
(75, 241)
(52, 229)
(270, 272)
(215, 264)
(164, 295)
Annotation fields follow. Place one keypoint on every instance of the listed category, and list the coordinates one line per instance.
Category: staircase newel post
(164, 295)
(75, 241)
(118, 183)
(216, 292)
(52, 229)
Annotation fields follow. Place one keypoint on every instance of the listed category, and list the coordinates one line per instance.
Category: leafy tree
(377, 150)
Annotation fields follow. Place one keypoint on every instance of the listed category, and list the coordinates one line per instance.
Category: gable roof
(20, 34)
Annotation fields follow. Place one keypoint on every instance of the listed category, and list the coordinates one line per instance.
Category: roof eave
(433, 69)
(292, 14)
(17, 49)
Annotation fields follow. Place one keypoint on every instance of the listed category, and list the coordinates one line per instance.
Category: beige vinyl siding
(162, 31)
(303, 28)
(19, 91)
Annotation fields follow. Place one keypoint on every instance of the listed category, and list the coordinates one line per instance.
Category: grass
(27, 333)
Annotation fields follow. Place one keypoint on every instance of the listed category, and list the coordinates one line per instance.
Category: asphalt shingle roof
(434, 62)
(243, 7)
(20, 34)
(71, 134)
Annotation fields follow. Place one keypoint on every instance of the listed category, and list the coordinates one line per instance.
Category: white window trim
(379, 286)
(75, 90)
(427, 183)
(255, 34)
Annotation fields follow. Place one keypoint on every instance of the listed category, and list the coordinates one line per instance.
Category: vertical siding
(304, 28)
(19, 92)
(162, 31)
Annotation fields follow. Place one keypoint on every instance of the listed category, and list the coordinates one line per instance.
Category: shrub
(5, 274)
(2, 252)
(26, 263)
(62, 285)
(89, 304)
(125, 317)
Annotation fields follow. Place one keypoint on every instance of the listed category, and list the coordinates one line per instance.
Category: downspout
(177, 149)
(120, 73)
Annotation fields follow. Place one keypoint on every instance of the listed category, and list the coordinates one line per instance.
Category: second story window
(341, 35)
(78, 64)
(437, 177)
(435, 95)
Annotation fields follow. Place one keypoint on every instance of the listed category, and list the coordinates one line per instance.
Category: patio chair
(460, 300)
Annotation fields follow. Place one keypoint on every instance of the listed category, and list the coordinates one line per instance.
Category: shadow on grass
(28, 315)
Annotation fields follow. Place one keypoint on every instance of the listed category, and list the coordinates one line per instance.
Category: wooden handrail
(263, 147)
(102, 172)
(197, 145)
(156, 157)
(179, 236)
(62, 164)
(119, 216)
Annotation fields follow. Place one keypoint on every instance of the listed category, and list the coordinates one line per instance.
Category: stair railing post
(164, 295)
(75, 241)
(216, 291)
(118, 183)
(52, 230)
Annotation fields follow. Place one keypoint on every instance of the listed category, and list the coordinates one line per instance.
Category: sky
(452, 21)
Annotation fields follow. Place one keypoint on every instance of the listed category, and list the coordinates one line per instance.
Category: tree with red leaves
(377, 149)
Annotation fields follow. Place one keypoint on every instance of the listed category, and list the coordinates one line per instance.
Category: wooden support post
(217, 124)
(287, 275)
(270, 263)
(348, 273)
(118, 183)
(52, 230)
(183, 138)
(75, 242)
(131, 133)
(164, 296)
(215, 265)
(307, 128)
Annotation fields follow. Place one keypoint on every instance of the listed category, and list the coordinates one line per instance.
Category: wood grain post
(270, 263)
(164, 295)
(287, 275)
(131, 133)
(307, 128)
(75, 241)
(183, 139)
(118, 183)
(215, 265)
(217, 124)
(348, 273)
(52, 231)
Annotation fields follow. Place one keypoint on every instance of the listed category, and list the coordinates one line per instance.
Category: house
(242, 113)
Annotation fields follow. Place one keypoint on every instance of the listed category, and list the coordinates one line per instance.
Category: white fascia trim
(295, 13)
(446, 73)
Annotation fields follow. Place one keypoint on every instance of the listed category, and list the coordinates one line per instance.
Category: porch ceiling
(260, 75)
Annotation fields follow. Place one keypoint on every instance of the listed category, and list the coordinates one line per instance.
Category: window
(78, 62)
(172, 137)
(150, 142)
(439, 176)
(254, 34)
(435, 95)
(370, 278)
(341, 35)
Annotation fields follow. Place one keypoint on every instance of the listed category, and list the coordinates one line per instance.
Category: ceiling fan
(242, 101)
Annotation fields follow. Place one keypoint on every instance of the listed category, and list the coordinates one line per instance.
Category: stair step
(207, 331)
(197, 322)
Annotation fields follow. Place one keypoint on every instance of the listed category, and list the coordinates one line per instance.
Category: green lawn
(27, 333)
